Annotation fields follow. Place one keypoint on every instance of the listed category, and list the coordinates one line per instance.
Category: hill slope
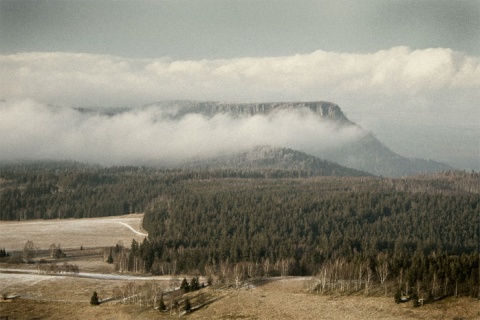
(275, 159)
(365, 152)
(319, 129)
(371, 155)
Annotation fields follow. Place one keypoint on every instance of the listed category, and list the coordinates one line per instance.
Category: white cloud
(35, 131)
(78, 79)
(439, 87)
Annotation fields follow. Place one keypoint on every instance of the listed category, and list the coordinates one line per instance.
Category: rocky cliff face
(326, 110)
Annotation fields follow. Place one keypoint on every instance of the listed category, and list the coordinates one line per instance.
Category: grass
(70, 233)
(274, 300)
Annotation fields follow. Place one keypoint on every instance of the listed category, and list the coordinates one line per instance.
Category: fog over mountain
(155, 133)
(420, 103)
(406, 71)
(181, 133)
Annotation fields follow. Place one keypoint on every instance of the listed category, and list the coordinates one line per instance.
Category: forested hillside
(72, 190)
(423, 232)
(277, 161)
(309, 220)
(51, 190)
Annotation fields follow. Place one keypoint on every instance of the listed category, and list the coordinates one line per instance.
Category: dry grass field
(71, 233)
(67, 297)
(288, 299)
(278, 299)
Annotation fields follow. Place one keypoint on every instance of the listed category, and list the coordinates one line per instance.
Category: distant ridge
(371, 155)
(324, 109)
(276, 158)
(365, 154)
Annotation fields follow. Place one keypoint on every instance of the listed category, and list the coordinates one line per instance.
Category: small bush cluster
(94, 300)
(3, 253)
(194, 285)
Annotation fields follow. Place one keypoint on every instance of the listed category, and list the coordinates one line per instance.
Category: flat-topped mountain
(366, 153)
(326, 110)
(324, 139)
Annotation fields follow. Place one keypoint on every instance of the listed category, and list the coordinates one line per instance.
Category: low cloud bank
(420, 94)
(31, 130)
(100, 80)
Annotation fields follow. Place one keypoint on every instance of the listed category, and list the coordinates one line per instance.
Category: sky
(407, 71)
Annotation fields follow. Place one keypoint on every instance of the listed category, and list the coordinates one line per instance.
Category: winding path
(135, 231)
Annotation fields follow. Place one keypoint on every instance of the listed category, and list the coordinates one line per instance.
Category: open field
(274, 299)
(72, 233)
(63, 296)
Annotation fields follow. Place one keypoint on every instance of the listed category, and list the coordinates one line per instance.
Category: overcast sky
(408, 71)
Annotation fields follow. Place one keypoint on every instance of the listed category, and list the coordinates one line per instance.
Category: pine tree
(3, 253)
(162, 307)
(188, 305)
(415, 301)
(184, 286)
(194, 284)
(110, 258)
(174, 306)
(398, 296)
(94, 299)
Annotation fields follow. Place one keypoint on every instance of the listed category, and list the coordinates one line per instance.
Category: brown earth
(276, 299)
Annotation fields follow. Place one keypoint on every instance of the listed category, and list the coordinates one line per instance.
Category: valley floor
(273, 298)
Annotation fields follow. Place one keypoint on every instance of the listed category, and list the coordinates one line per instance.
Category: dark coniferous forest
(420, 233)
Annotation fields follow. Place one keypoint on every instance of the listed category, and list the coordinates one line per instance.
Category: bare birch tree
(266, 267)
(238, 274)
(368, 278)
(225, 271)
(322, 277)
(29, 251)
(382, 268)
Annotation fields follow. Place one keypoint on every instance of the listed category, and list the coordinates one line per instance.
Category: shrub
(398, 296)
(94, 301)
(188, 305)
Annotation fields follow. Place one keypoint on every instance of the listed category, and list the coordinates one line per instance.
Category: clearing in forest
(72, 233)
